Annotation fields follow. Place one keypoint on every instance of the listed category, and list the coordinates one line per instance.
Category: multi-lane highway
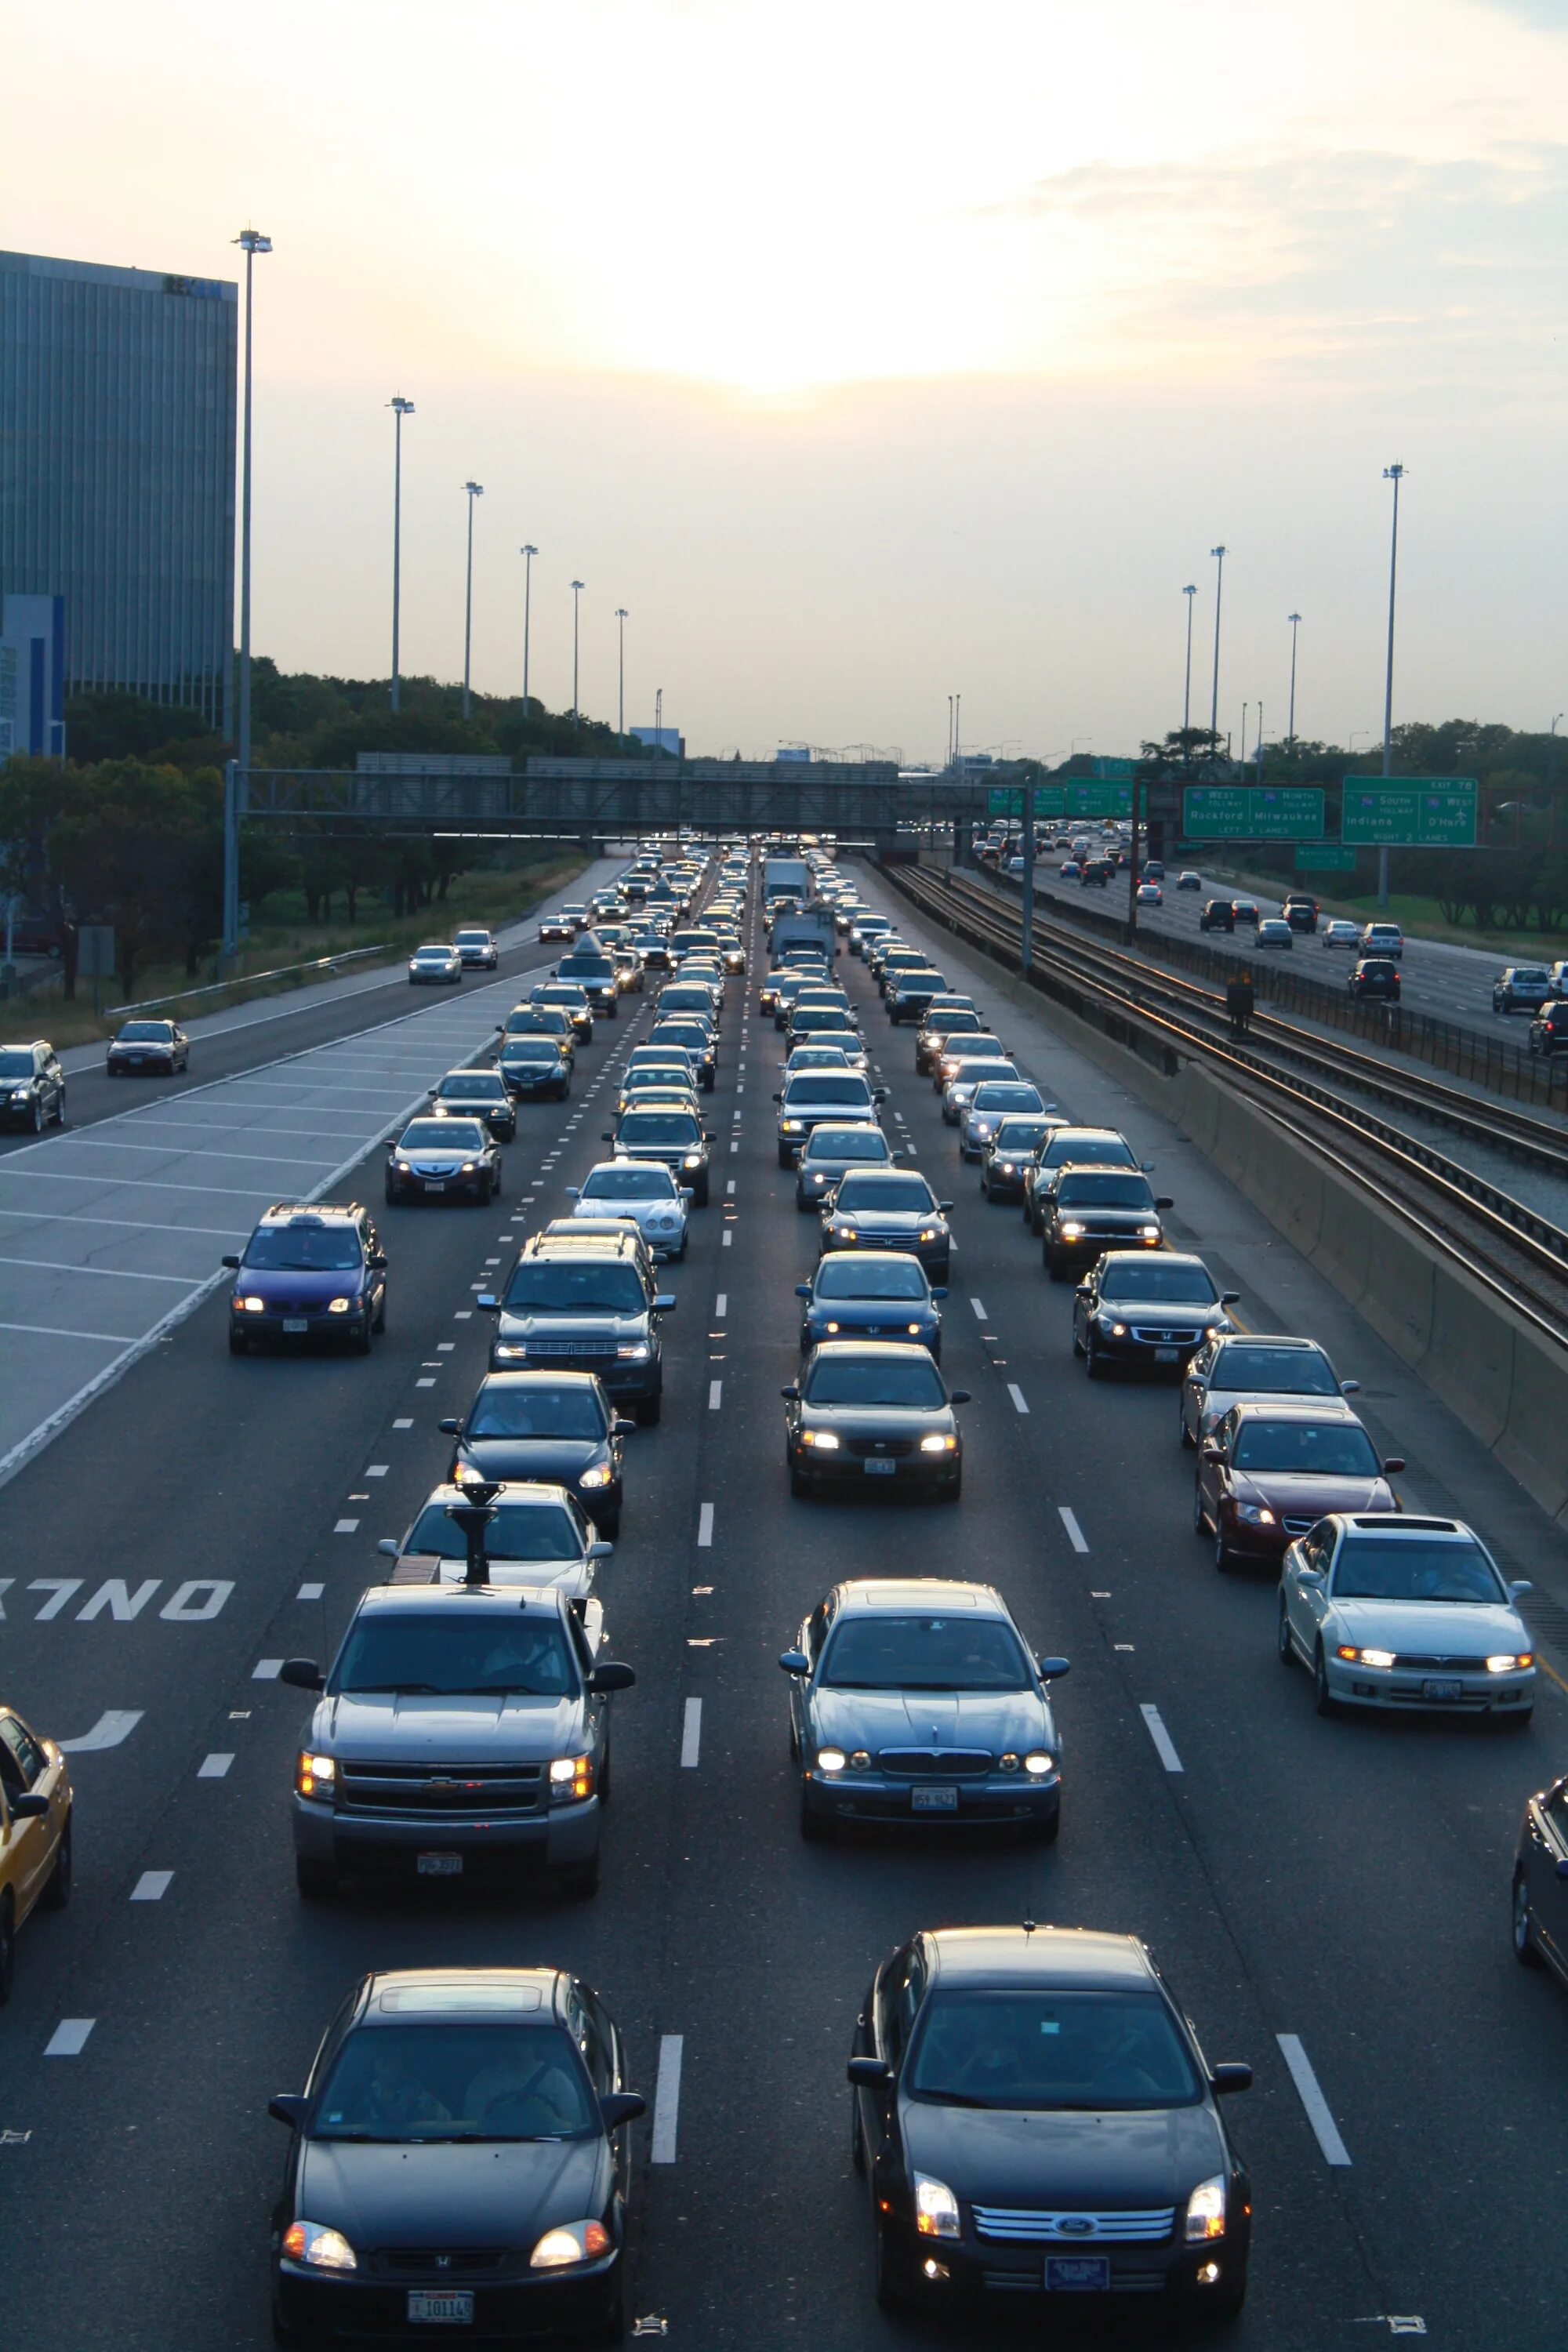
(1329, 1899)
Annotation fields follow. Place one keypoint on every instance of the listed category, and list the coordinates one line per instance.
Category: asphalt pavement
(1345, 1885)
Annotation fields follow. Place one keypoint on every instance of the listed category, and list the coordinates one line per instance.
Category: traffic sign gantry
(1417, 812)
(1252, 812)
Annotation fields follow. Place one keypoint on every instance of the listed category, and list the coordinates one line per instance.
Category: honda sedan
(872, 1412)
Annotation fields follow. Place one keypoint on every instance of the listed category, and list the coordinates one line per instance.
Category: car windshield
(840, 1144)
(575, 1287)
(433, 951)
(819, 1057)
(1530, 975)
(839, 1277)
(907, 1377)
(1021, 1134)
(687, 999)
(542, 1050)
(630, 1184)
(1006, 1095)
(561, 996)
(15, 1062)
(539, 1021)
(658, 1127)
(1273, 1372)
(975, 1074)
(531, 1411)
(890, 1195)
(807, 1092)
(481, 1088)
(1109, 1150)
(541, 1530)
(146, 1033)
(1159, 1282)
(443, 1135)
(1336, 1449)
(1414, 1567)
(457, 1656)
(961, 1653)
(685, 1032)
(1104, 1192)
(1025, 2047)
(456, 2081)
(304, 1249)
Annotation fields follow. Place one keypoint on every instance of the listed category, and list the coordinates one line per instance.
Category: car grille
(1125, 2279)
(1416, 1665)
(864, 1240)
(1146, 2227)
(935, 1763)
(1152, 1336)
(883, 1448)
(569, 1350)
(439, 1788)
(426, 2262)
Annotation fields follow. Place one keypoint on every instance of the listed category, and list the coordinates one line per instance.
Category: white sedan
(988, 1105)
(1340, 935)
(1400, 1613)
(433, 964)
(643, 1190)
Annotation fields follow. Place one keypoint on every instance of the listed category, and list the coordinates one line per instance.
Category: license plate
(438, 1185)
(933, 1800)
(440, 1865)
(1167, 1355)
(455, 2309)
(881, 1469)
(295, 1322)
(1443, 1689)
(1077, 2274)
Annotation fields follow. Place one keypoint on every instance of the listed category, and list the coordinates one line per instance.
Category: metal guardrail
(322, 966)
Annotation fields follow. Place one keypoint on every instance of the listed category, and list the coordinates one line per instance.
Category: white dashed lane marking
(666, 2097)
(309, 1592)
(213, 1768)
(1164, 1745)
(69, 2039)
(705, 1527)
(346, 1528)
(266, 1670)
(114, 1725)
(1324, 2129)
(979, 1306)
(151, 1886)
(1074, 1533)
(692, 1733)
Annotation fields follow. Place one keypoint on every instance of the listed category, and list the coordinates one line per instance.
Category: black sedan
(559, 1428)
(870, 1295)
(1037, 2119)
(457, 2160)
(1086, 1210)
(1008, 1155)
(159, 1047)
(668, 1133)
(872, 1411)
(452, 1159)
(891, 1209)
(534, 1066)
(881, 1659)
(477, 1094)
(1152, 1311)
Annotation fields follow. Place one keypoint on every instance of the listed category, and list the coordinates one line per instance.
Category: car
(1548, 1033)
(477, 1094)
(542, 1021)
(1539, 1905)
(309, 1272)
(890, 964)
(1218, 914)
(988, 1105)
(1339, 934)
(35, 1842)
(1522, 987)
(817, 1020)
(693, 997)
(1010, 1149)
(865, 930)
(1264, 1365)
(32, 1086)
(813, 1057)
(453, 1157)
(1275, 933)
(1270, 1472)
(161, 1047)
(888, 1209)
(1085, 1211)
(1187, 880)
(1244, 911)
(1070, 870)
(556, 927)
(1096, 873)
(1083, 1147)
(778, 992)
(1145, 1310)
(643, 1189)
(912, 992)
(591, 968)
(1382, 940)
(1154, 868)
(538, 1535)
(817, 1098)
(1036, 2121)
(554, 1427)
(870, 1293)
(696, 1041)
(972, 1072)
(873, 1410)
(848, 1044)
(670, 1133)
(831, 1153)
(653, 952)
(949, 1017)
(1400, 1614)
(478, 947)
(1376, 976)
(569, 997)
(1559, 975)
(961, 1045)
(576, 914)
(862, 1668)
(1150, 894)
(534, 1065)
(437, 964)
(1300, 909)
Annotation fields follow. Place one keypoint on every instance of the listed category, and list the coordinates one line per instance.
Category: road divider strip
(1325, 2131)
(1164, 1745)
(692, 1733)
(1074, 1533)
(666, 2097)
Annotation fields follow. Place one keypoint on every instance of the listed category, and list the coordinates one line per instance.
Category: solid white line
(309, 1592)
(721, 1306)
(1324, 2128)
(691, 1732)
(151, 1886)
(715, 1393)
(979, 1306)
(69, 2039)
(266, 1670)
(1164, 1745)
(115, 1273)
(705, 1527)
(666, 2098)
(1016, 1393)
(130, 1224)
(1074, 1533)
(49, 1331)
(116, 1723)
(213, 1768)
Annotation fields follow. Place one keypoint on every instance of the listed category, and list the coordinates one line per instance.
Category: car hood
(310, 1289)
(652, 1209)
(1308, 1493)
(880, 1420)
(428, 1158)
(1451, 1628)
(855, 1314)
(574, 1578)
(1075, 2163)
(135, 1046)
(551, 1461)
(1163, 1311)
(1218, 1401)
(472, 1728)
(451, 2194)
(850, 1109)
(999, 1720)
(1097, 1220)
(609, 1329)
(889, 1221)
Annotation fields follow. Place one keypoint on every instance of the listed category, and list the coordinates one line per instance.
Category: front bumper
(547, 1082)
(1004, 1799)
(300, 1331)
(382, 1844)
(1152, 1355)
(1400, 1690)
(159, 1064)
(414, 1187)
(921, 1472)
(633, 1379)
(521, 2306)
(973, 2268)
(1000, 1185)
(934, 1256)
(1088, 1249)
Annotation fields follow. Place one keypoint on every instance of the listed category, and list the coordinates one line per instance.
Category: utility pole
(1026, 934)
(1295, 621)
(1219, 555)
(957, 729)
(1189, 593)
(475, 490)
(621, 617)
(528, 555)
(1394, 474)
(253, 242)
(577, 588)
(400, 409)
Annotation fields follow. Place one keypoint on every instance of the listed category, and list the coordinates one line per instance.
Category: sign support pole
(1026, 936)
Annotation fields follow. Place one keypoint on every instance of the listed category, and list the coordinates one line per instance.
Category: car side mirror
(958, 1396)
(288, 2107)
(871, 2073)
(1520, 1584)
(377, 1264)
(608, 1135)
(622, 1425)
(1350, 1388)
(1562, 1867)
(803, 1290)
(302, 1674)
(1312, 1577)
(1053, 1669)
(1395, 1464)
(1147, 1166)
(791, 1393)
(600, 1550)
(232, 1263)
(938, 1290)
(29, 1805)
(665, 1303)
(1211, 1453)
(778, 1098)
(449, 1426)
(709, 1136)
(944, 1207)
(878, 1093)
(1228, 1297)
(1164, 1200)
(1084, 1289)
(611, 1677)
(618, 2107)
(574, 1191)
(1230, 2077)
(388, 1547)
(796, 1662)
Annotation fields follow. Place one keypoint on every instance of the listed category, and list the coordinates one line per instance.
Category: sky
(869, 351)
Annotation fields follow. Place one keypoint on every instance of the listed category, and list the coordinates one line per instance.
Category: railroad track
(1509, 1246)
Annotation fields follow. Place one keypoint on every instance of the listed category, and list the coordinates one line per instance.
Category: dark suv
(594, 974)
(584, 1306)
(1218, 914)
(1549, 1030)
(309, 1273)
(32, 1086)
(1376, 976)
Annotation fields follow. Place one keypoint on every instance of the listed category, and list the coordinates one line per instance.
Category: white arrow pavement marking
(1164, 1745)
(1325, 2130)
(112, 1727)
(666, 2098)
(691, 1732)
(69, 2039)
(1074, 1533)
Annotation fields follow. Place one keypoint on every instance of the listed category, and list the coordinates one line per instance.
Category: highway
(1343, 1886)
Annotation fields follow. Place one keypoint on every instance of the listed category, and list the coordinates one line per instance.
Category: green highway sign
(1416, 813)
(1115, 772)
(1001, 803)
(1099, 799)
(1050, 800)
(1323, 858)
(1252, 812)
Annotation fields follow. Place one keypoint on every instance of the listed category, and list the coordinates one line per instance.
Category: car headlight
(793, 1125)
(341, 1306)
(1007, 1168)
(569, 2242)
(1149, 1233)
(982, 1127)
(314, 1775)
(1255, 1515)
(830, 1759)
(1072, 1230)
(465, 1475)
(570, 1776)
(845, 1232)
(467, 1168)
(1354, 1657)
(21, 1095)
(825, 1440)
(1505, 1666)
(929, 1234)
(632, 1351)
(1116, 1330)
(913, 1326)
(320, 2248)
(506, 1349)
(1205, 2211)
(1038, 1763)
(693, 1160)
(936, 2209)
(937, 1444)
(252, 1305)
(599, 1475)
(830, 1327)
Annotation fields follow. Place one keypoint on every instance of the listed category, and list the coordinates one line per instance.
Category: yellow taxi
(34, 1832)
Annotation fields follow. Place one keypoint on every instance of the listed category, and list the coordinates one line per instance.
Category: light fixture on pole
(1394, 474)
(475, 490)
(400, 409)
(252, 242)
(621, 617)
(1295, 621)
(1219, 555)
(577, 588)
(659, 720)
(1560, 716)
(1189, 593)
(528, 555)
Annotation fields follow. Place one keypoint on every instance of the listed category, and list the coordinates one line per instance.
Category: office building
(116, 472)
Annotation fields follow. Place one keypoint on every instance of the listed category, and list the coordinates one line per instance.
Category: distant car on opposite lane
(435, 965)
(159, 1047)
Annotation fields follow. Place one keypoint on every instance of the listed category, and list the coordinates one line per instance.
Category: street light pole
(1189, 593)
(252, 242)
(1295, 621)
(957, 729)
(475, 490)
(1244, 708)
(950, 730)
(577, 588)
(528, 555)
(1394, 474)
(1220, 554)
(400, 409)
(621, 617)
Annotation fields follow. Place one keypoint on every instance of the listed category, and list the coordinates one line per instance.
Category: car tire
(1189, 1442)
(361, 1341)
(581, 1882)
(1054, 1266)
(1225, 1559)
(1200, 1517)
(613, 2329)
(700, 1194)
(953, 1490)
(857, 2136)
(1091, 1362)
(37, 1114)
(798, 1485)
(57, 1891)
(1526, 1951)
(1324, 1703)
(314, 1880)
(609, 1527)
(391, 1198)
(1285, 1648)
(282, 2332)
(1043, 1831)
(813, 1828)
(786, 1158)
(891, 2293)
(650, 1409)
(238, 1344)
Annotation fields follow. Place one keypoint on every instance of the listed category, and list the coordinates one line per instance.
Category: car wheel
(1222, 1554)
(282, 2332)
(786, 1159)
(813, 1828)
(1200, 1517)
(857, 2136)
(391, 1198)
(892, 2294)
(315, 1880)
(700, 1195)
(1525, 1949)
(649, 1409)
(953, 1490)
(605, 1776)
(581, 1881)
(1054, 1266)
(360, 1343)
(61, 1108)
(798, 1484)
(239, 1345)
(1286, 1648)
(613, 2328)
(1091, 1362)
(57, 1892)
(1043, 1831)
(37, 1114)
(1324, 1700)
(610, 1527)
